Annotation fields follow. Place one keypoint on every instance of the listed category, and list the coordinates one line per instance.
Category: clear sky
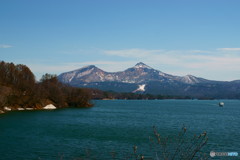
(180, 37)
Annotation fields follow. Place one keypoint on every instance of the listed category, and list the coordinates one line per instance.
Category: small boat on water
(221, 104)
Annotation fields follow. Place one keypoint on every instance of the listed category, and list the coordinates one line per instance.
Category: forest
(19, 88)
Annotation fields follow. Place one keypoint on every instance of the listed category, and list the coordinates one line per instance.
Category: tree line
(19, 88)
(98, 95)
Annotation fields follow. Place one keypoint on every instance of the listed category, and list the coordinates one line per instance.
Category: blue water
(115, 127)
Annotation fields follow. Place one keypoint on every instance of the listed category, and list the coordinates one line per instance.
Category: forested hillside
(18, 88)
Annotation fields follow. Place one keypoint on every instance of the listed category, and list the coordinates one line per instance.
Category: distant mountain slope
(144, 79)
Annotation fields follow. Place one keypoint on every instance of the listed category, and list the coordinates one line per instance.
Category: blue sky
(180, 37)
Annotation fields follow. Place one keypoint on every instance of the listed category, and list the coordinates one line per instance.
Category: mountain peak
(89, 66)
(142, 65)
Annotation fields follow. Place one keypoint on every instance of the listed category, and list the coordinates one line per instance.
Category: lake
(114, 127)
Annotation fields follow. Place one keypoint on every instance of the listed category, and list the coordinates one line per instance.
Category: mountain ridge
(139, 68)
(142, 78)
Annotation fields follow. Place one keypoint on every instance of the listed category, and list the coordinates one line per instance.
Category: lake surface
(115, 126)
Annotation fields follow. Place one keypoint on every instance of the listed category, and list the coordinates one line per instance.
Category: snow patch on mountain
(109, 77)
(142, 65)
(141, 88)
(70, 79)
(190, 79)
(128, 81)
(85, 73)
(161, 74)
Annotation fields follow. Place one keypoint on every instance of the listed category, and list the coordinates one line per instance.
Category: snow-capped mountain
(145, 79)
(140, 73)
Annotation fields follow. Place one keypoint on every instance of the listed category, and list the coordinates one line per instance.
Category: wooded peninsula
(19, 89)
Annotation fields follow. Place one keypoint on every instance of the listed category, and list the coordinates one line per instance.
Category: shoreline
(47, 107)
(9, 109)
(50, 106)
